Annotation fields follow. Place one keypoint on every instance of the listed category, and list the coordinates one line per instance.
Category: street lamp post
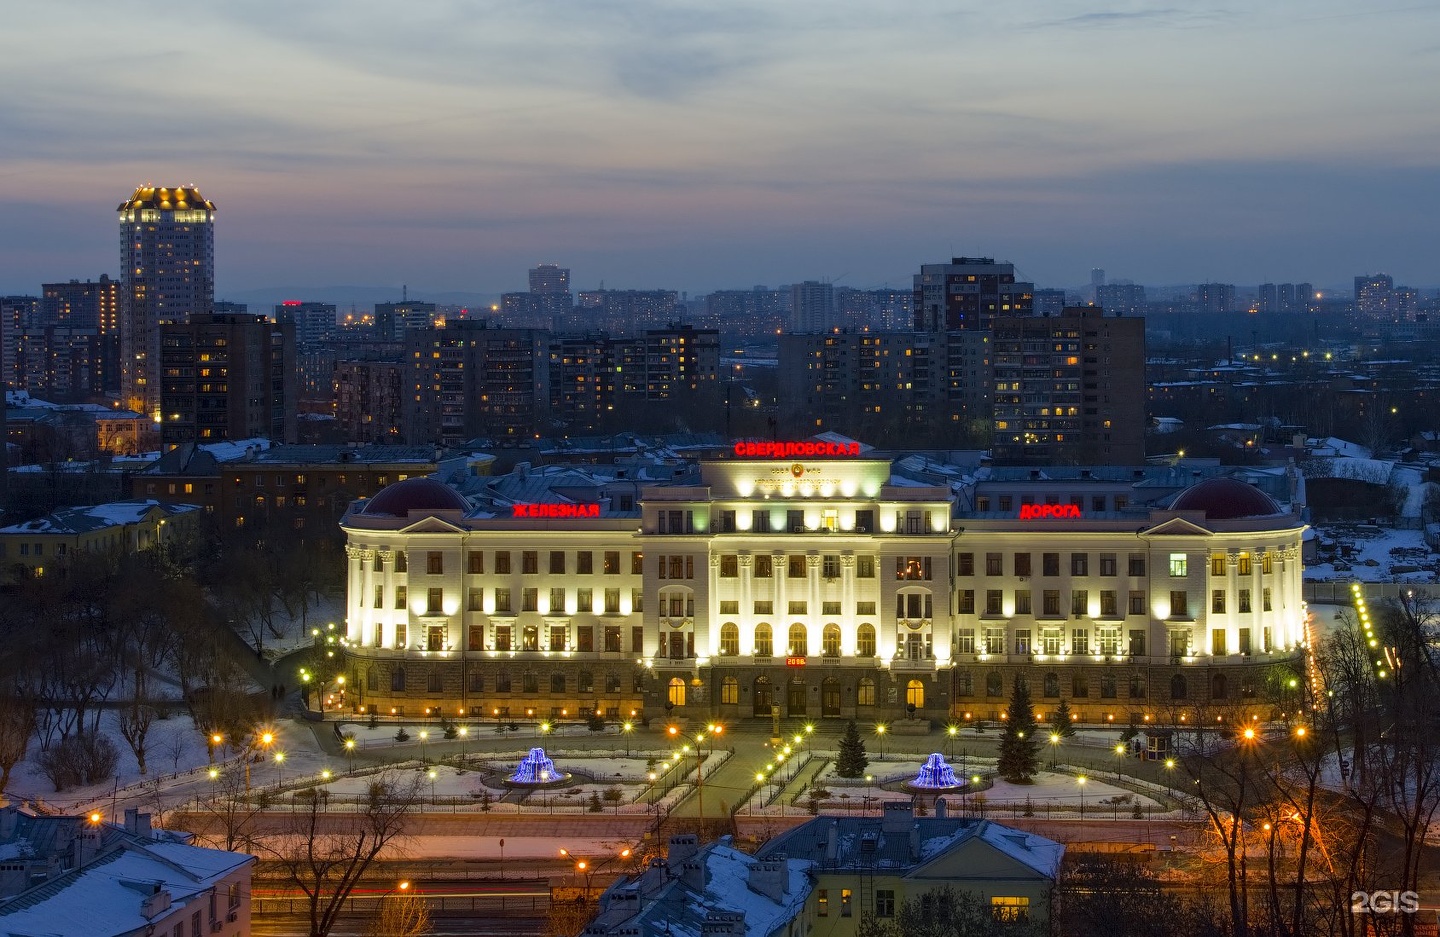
(280, 767)
(1054, 748)
(1120, 760)
(350, 753)
(424, 738)
(432, 776)
(880, 734)
(1081, 782)
(951, 731)
(464, 735)
(626, 729)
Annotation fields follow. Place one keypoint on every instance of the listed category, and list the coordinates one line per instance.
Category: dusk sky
(696, 146)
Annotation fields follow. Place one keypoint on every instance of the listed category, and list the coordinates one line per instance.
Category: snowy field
(1376, 555)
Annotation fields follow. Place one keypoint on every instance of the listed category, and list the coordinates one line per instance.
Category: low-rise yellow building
(36, 547)
(870, 866)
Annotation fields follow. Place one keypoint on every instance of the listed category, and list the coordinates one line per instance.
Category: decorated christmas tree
(852, 761)
(1018, 761)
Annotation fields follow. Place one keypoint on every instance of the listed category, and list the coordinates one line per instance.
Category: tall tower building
(1070, 390)
(167, 274)
(1372, 296)
(967, 294)
(225, 377)
(812, 307)
(549, 278)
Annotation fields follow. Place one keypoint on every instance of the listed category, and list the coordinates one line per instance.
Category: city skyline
(706, 148)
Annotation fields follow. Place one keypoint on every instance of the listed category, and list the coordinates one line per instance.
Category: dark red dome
(415, 494)
(1225, 499)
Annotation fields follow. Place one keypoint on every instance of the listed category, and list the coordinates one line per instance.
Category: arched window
(865, 693)
(830, 641)
(557, 682)
(729, 639)
(1178, 687)
(675, 693)
(865, 641)
(764, 640)
(730, 691)
(1219, 686)
(915, 694)
(994, 686)
(1052, 684)
(799, 641)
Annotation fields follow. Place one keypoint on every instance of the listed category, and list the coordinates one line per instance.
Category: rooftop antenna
(404, 293)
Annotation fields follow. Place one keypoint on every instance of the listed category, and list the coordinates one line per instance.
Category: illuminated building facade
(808, 578)
(167, 274)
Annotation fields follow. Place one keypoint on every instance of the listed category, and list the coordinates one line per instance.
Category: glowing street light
(1080, 781)
(1054, 748)
(625, 729)
(880, 728)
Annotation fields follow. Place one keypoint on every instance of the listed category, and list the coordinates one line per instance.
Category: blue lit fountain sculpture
(536, 770)
(935, 777)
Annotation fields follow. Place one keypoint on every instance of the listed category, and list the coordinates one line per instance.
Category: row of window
(504, 682)
(996, 686)
(1002, 908)
(796, 607)
(797, 565)
(1107, 641)
(529, 601)
(799, 640)
(610, 562)
(1109, 603)
(525, 638)
(1021, 565)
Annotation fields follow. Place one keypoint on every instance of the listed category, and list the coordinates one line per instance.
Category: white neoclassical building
(809, 579)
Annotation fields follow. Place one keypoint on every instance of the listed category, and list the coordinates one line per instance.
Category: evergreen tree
(1018, 761)
(852, 761)
(1060, 723)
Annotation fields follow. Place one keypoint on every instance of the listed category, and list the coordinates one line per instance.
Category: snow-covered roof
(106, 895)
(864, 842)
(80, 520)
(662, 901)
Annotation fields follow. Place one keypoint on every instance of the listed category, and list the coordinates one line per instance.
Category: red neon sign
(292, 302)
(554, 510)
(794, 662)
(795, 449)
(1035, 512)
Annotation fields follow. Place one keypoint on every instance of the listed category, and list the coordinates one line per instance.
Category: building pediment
(432, 525)
(1176, 527)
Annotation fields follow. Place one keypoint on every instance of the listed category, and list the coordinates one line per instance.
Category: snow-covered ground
(1374, 556)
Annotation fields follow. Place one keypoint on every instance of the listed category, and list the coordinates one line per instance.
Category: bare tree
(403, 914)
(136, 716)
(17, 724)
(227, 819)
(326, 855)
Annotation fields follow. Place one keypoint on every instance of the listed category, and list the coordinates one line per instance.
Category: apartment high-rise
(549, 278)
(167, 274)
(967, 294)
(1121, 299)
(227, 376)
(1070, 390)
(1372, 296)
(314, 322)
(812, 307)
